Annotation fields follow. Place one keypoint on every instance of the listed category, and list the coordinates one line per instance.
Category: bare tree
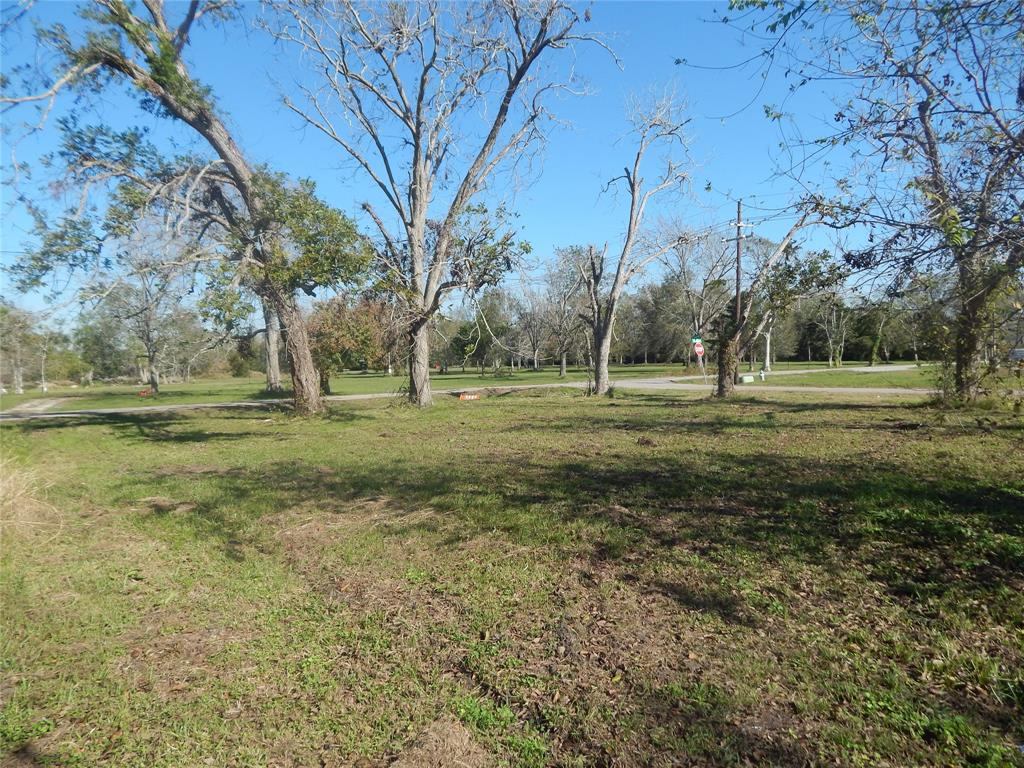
(17, 328)
(428, 98)
(657, 127)
(562, 307)
(531, 318)
(833, 318)
(144, 290)
(702, 264)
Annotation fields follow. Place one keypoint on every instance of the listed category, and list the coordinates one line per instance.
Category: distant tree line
(205, 254)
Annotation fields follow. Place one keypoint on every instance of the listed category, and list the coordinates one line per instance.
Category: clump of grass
(23, 512)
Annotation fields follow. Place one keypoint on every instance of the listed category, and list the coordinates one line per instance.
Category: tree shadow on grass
(937, 533)
(914, 536)
(28, 755)
(175, 426)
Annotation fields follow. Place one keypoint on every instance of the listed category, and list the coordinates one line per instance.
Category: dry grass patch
(24, 512)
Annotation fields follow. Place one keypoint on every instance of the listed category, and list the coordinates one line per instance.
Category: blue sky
(732, 145)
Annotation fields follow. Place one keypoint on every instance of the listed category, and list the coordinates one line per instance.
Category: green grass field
(648, 580)
(350, 383)
(925, 377)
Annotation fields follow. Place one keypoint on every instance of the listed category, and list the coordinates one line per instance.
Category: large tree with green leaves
(932, 119)
(144, 48)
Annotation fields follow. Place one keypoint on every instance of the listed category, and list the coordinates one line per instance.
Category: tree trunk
(727, 366)
(876, 344)
(561, 366)
(602, 350)
(19, 379)
(768, 351)
(154, 376)
(272, 347)
(305, 379)
(325, 382)
(967, 371)
(419, 365)
(536, 359)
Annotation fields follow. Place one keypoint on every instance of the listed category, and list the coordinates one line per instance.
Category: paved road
(680, 383)
(802, 371)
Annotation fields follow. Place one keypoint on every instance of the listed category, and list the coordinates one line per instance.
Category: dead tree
(654, 128)
(428, 100)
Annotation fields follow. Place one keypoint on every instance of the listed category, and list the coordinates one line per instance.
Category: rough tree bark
(272, 347)
(419, 365)
(153, 374)
(967, 360)
(728, 365)
(305, 377)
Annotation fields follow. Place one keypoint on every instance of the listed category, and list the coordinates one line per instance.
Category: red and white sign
(698, 349)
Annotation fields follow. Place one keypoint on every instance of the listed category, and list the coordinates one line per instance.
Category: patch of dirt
(445, 743)
(174, 661)
(584, 670)
(307, 533)
(202, 470)
(162, 505)
(40, 405)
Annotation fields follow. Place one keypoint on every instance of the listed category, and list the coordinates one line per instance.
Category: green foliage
(147, 44)
(72, 244)
(103, 345)
(347, 335)
(223, 303)
(307, 243)
(238, 364)
(484, 247)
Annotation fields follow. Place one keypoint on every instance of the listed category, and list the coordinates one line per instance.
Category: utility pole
(739, 253)
(739, 258)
